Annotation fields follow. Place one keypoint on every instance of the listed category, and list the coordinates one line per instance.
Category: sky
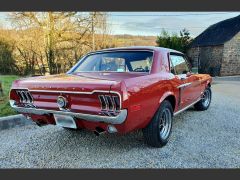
(152, 23)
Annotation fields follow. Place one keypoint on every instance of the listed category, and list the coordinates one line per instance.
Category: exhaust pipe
(98, 131)
(40, 123)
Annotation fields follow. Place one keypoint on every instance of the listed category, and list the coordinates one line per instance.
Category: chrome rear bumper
(119, 119)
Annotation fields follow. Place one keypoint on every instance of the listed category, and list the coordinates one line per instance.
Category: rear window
(119, 61)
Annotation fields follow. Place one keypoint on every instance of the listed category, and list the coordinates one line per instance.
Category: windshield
(123, 61)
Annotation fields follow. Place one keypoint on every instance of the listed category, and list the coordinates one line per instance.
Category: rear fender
(165, 95)
(122, 90)
(207, 82)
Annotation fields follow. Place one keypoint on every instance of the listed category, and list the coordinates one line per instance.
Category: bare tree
(54, 41)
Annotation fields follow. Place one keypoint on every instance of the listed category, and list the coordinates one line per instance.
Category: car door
(187, 83)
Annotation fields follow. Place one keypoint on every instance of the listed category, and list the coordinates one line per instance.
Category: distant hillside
(131, 40)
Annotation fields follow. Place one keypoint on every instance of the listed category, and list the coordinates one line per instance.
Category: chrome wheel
(165, 124)
(205, 101)
(206, 98)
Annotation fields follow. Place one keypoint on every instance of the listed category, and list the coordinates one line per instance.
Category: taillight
(117, 102)
(103, 102)
(24, 96)
(110, 103)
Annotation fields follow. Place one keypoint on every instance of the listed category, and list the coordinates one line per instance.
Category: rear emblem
(62, 102)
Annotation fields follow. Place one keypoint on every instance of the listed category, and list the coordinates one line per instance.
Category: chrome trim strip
(24, 100)
(119, 119)
(181, 110)
(113, 103)
(117, 106)
(184, 85)
(24, 95)
(107, 96)
(102, 101)
(119, 49)
(69, 92)
(20, 96)
(31, 97)
(130, 72)
(110, 50)
(74, 92)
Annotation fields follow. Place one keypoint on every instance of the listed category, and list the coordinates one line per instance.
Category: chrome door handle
(184, 85)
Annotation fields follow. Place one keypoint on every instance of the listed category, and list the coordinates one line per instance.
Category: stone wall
(231, 57)
(210, 58)
(192, 54)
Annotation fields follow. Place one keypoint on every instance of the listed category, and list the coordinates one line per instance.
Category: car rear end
(85, 104)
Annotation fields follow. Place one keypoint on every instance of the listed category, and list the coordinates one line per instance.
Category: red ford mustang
(116, 91)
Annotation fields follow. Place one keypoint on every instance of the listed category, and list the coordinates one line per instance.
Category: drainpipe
(199, 64)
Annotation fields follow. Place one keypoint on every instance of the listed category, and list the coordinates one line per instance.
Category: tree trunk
(50, 44)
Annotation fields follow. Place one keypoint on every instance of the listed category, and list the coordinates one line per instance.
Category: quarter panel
(147, 93)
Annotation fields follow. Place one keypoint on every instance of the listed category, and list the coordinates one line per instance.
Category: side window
(113, 64)
(141, 65)
(178, 64)
(172, 68)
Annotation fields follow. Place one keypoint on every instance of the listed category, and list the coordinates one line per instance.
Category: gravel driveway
(206, 139)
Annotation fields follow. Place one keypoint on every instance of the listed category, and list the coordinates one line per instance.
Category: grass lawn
(5, 108)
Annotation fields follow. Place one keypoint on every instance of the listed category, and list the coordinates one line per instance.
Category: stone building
(216, 51)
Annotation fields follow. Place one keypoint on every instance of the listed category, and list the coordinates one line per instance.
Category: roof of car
(152, 48)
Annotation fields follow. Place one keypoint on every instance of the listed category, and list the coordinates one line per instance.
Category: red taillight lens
(110, 103)
(117, 102)
(24, 96)
(103, 102)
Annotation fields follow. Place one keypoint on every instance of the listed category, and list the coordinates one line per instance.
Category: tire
(154, 133)
(205, 102)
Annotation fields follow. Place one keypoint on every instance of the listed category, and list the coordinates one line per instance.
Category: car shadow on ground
(64, 138)
(108, 141)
